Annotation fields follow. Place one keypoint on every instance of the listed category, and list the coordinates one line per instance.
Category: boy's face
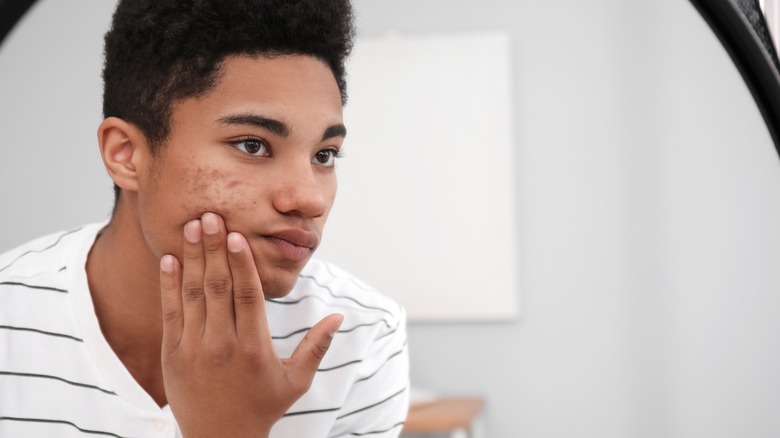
(258, 149)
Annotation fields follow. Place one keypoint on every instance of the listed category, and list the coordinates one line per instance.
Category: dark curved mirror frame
(10, 13)
(753, 55)
(737, 24)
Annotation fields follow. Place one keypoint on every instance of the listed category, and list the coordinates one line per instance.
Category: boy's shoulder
(46, 254)
(328, 284)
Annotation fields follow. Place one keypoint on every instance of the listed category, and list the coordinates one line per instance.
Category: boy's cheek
(218, 192)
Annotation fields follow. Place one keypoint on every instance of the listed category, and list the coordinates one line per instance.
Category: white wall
(648, 194)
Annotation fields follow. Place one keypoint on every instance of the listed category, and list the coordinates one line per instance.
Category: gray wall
(51, 174)
(649, 198)
(648, 204)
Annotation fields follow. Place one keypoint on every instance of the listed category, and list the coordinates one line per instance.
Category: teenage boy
(197, 310)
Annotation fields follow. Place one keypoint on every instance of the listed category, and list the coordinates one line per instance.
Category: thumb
(309, 353)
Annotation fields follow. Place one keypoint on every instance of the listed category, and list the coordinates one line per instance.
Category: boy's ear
(124, 150)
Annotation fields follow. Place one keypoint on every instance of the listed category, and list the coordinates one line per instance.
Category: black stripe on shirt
(373, 405)
(290, 335)
(293, 302)
(314, 279)
(322, 370)
(383, 364)
(368, 324)
(351, 280)
(33, 286)
(42, 332)
(69, 382)
(40, 250)
(305, 329)
(388, 333)
(403, 347)
(373, 432)
(44, 420)
(323, 411)
(316, 411)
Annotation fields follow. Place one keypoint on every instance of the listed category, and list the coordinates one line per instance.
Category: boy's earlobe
(122, 147)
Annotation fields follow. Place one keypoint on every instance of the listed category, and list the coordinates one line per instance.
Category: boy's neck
(124, 283)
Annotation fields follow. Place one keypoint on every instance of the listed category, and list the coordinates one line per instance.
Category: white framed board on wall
(425, 210)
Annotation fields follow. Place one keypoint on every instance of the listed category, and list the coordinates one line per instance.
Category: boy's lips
(293, 244)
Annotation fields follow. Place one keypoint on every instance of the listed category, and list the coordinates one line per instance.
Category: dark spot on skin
(216, 191)
(234, 184)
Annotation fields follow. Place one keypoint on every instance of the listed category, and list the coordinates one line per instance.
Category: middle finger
(217, 279)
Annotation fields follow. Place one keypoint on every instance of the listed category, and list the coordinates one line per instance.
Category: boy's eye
(326, 158)
(253, 146)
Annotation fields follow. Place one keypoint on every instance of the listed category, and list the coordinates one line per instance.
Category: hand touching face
(222, 375)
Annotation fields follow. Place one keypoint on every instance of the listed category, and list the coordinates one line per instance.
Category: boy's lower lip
(288, 250)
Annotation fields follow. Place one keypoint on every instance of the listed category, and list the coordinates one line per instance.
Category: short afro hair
(161, 51)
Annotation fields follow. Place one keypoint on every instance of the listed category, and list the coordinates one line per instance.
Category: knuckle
(251, 355)
(218, 285)
(211, 245)
(191, 256)
(220, 353)
(170, 360)
(319, 351)
(171, 315)
(192, 292)
(245, 294)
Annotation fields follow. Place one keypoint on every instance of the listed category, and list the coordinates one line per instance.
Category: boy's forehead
(280, 94)
(274, 76)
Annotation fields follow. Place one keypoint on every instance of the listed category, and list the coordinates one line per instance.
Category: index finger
(170, 291)
(248, 297)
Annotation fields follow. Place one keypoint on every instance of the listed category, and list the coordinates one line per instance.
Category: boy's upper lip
(297, 236)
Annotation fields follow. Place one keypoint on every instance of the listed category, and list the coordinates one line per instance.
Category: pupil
(253, 146)
(323, 157)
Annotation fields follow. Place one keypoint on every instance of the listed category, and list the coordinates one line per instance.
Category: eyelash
(263, 144)
(334, 153)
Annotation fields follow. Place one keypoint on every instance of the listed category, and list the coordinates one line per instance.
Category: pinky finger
(170, 292)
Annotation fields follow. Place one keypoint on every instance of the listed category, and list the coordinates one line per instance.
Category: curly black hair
(161, 51)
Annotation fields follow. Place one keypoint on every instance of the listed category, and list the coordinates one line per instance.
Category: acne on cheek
(216, 191)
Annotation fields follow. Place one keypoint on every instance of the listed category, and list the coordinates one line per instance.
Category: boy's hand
(222, 375)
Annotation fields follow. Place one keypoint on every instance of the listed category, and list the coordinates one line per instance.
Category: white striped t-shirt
(60, 378)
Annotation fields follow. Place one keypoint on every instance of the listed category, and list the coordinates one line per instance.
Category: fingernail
(235, 242)
(341, 320)
(210, 223)
(192, 231)
(167, 263)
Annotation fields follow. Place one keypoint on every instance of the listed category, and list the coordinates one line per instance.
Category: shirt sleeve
(378, 401)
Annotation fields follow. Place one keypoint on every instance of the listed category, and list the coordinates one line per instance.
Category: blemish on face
(235, 183)
(217, 191)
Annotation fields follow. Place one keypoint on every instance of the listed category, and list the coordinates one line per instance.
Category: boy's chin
(279, 284)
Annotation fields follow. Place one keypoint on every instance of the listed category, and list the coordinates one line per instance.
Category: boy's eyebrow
(335, 131)
(275, 126)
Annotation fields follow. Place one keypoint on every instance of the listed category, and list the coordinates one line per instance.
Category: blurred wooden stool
(456, 416)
